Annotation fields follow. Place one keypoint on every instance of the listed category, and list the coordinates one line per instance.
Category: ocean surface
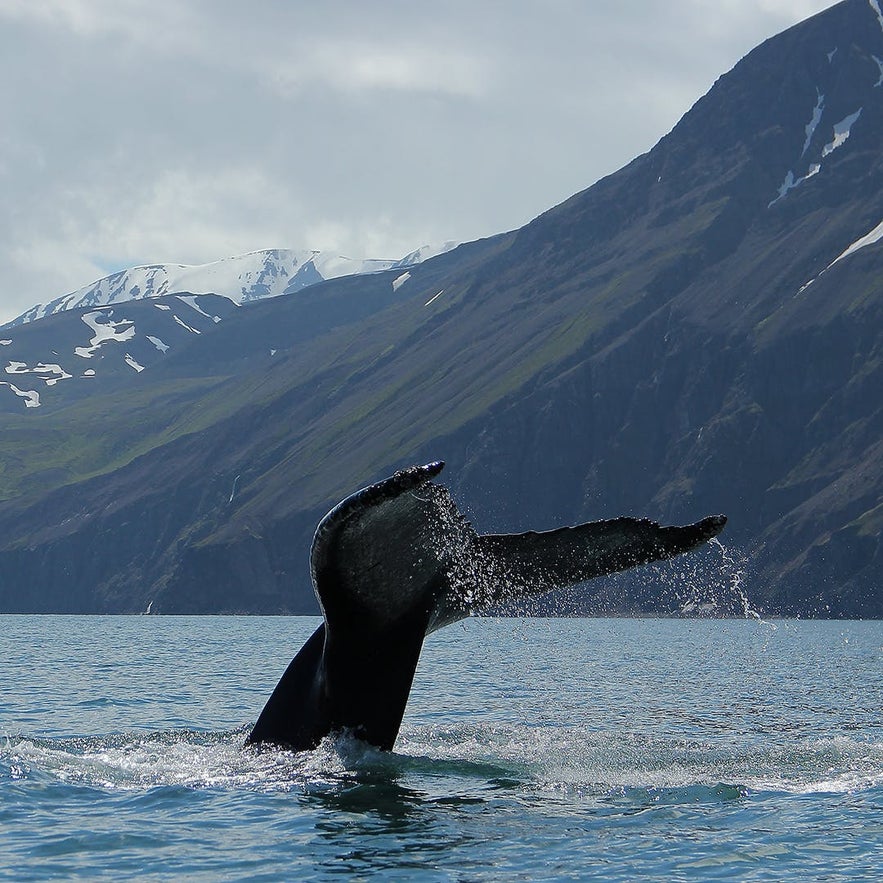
(543, 749)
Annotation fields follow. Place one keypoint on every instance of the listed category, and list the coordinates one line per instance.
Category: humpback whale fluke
(397, 560)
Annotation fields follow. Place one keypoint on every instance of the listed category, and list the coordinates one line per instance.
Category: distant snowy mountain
(130, 321)
(244, 278)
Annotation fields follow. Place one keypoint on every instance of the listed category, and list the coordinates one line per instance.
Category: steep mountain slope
(700, 332)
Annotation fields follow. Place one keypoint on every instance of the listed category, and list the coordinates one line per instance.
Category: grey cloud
(138, 132)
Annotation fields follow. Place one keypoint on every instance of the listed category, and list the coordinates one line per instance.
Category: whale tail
(397, 560)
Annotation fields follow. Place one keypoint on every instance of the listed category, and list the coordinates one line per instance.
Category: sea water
(546, 749)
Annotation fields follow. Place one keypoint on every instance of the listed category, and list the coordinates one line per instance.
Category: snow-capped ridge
(242, 278)
(180, 302)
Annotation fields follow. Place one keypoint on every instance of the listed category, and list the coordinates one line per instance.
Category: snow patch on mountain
(31, 396)
(869, 238)
(104, 331)
(437, 295)
(191, 301)
(841, 132)
(162, 347)
(813, 124)
(50, 373)
(183, 324)
(791, 182)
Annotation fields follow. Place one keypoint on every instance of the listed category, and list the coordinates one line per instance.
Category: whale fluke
(397, 560)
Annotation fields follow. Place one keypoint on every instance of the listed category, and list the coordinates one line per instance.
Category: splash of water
(474, 579)
(734, 568)
(712, 583)
(451, 757)
(180, 758)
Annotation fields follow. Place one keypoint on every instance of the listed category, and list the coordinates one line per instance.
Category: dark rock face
(700, 332)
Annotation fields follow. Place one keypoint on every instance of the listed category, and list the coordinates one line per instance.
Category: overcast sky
(143, 131)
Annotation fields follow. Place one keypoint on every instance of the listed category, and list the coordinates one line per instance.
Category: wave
(452, 762)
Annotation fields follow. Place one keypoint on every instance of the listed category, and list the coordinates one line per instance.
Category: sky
(185, 131)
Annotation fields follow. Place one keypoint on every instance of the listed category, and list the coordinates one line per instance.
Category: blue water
(531, 750)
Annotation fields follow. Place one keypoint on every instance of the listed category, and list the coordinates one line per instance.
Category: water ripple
(618, 750)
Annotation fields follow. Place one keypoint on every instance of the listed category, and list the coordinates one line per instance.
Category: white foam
(190, 760)
(591, 764)
(5, 342)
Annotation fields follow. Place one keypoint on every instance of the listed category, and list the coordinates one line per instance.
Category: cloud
(139, 131)
(356, 67)
(153, 24)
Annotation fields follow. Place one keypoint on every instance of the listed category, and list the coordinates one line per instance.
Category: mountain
(129, 321)
(242, 279)
(76, 353)
(701, 331)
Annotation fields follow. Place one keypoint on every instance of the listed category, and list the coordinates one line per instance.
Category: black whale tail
(397, 560)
